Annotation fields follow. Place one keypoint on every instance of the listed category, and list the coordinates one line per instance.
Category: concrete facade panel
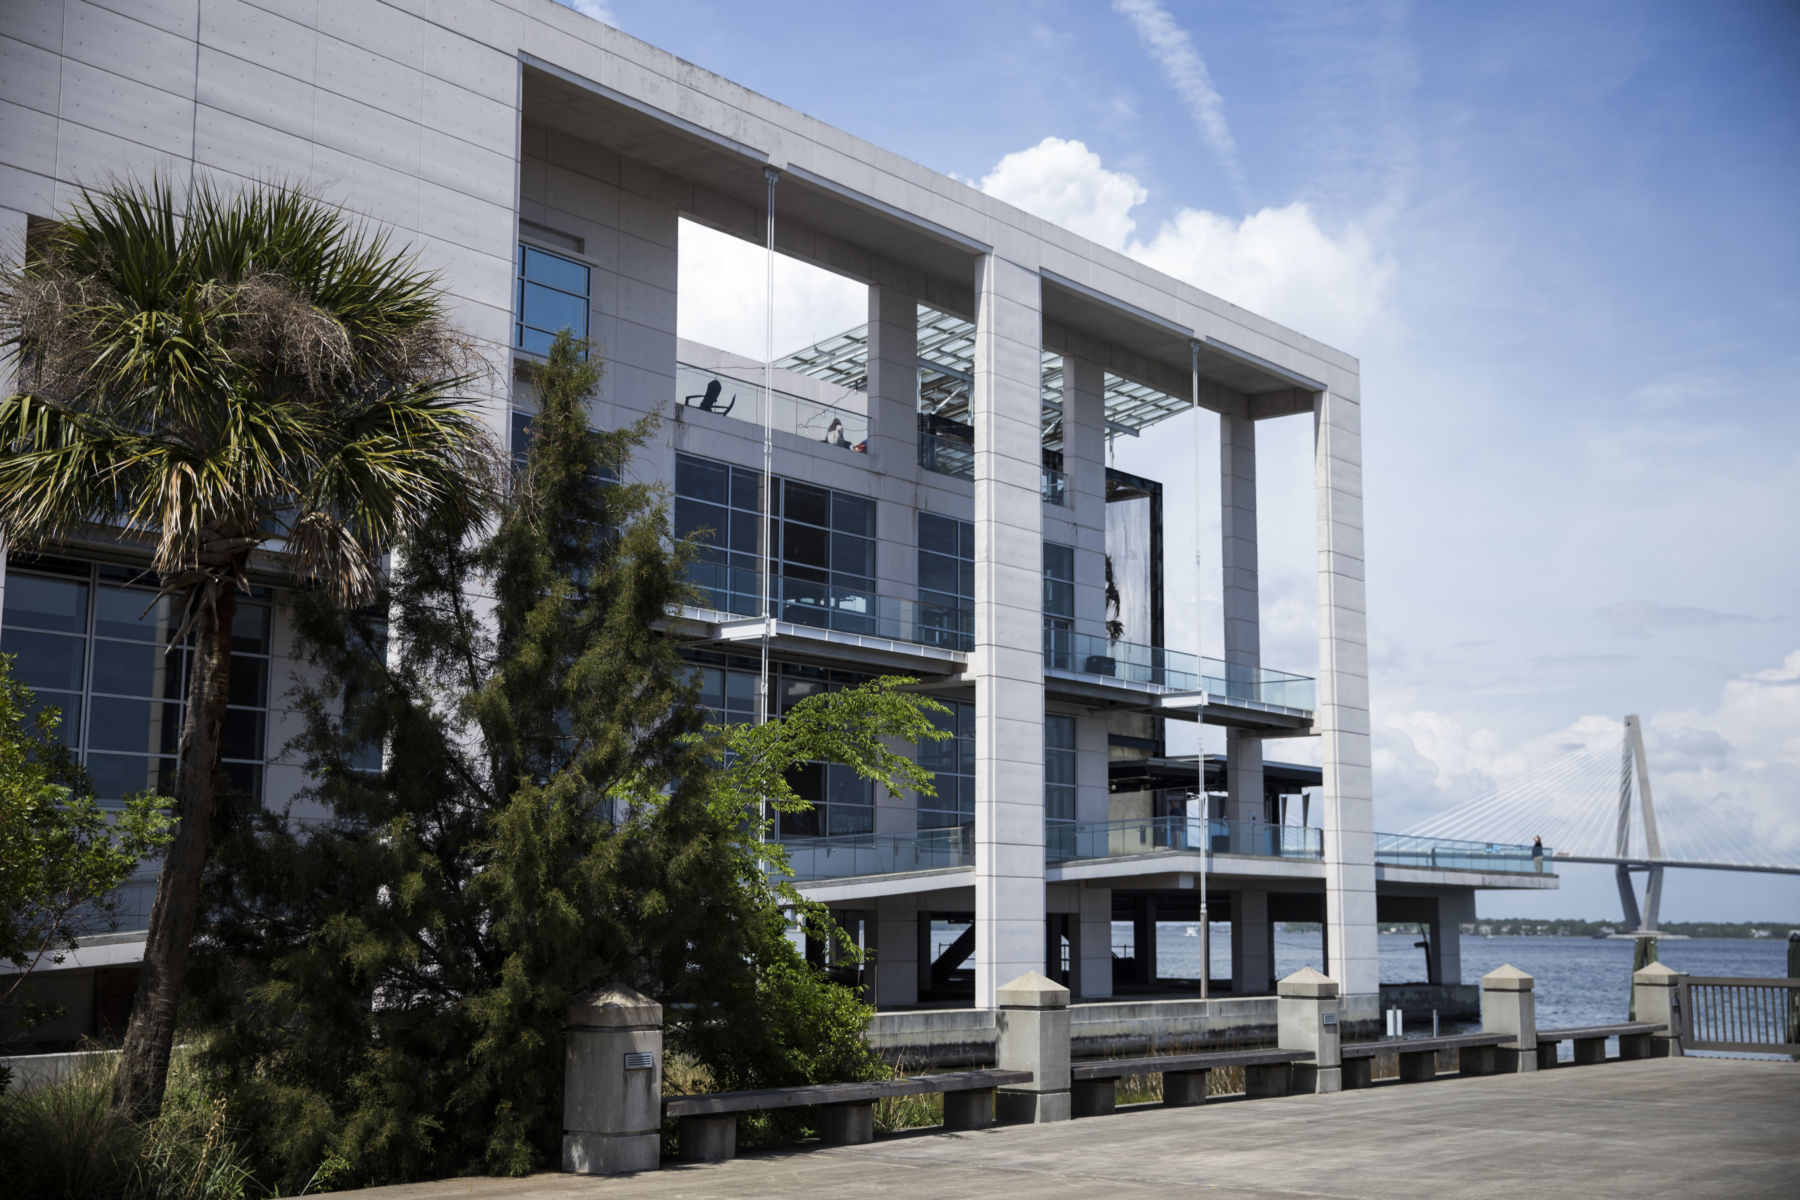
(30, 77)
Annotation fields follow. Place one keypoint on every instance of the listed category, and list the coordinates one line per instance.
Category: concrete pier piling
(1033, 1035)
(612, 1083)
(1307, 1015)
(1508, 1006)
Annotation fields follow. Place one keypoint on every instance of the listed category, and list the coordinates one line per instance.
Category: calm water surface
(1578, 981)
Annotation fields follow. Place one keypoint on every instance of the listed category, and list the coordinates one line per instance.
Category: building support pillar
(1342, 712)
(1252, 944)
(1008, 663)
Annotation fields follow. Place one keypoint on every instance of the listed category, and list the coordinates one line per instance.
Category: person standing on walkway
(1537, 855)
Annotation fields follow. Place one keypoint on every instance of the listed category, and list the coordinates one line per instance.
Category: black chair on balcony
(709, 399)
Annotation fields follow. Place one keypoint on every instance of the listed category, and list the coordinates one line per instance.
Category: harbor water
(1579, 981)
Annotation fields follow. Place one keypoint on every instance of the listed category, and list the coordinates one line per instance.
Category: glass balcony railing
(1158, 835)
(826, 606)
(845, 425)
(1089, 655)
(946, 455)
(953, 454)
(880, 853)
(1405, 850)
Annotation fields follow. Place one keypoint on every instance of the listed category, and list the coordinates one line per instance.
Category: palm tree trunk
(150, 1034)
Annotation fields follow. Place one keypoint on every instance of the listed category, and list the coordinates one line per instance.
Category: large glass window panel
(68, 706)
(136, 614)
(58, 605)
(137, 726)
(249, 681)
(852, 555)
(250, 629)
(807, 546)
(551, 311)
(938, 535)
(540, 266)
(156, 672)
(44, 660)
(808, 504)
(116, 776)
(243, 737)
(853, 514)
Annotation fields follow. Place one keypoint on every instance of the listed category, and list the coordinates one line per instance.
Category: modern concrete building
(943, 504)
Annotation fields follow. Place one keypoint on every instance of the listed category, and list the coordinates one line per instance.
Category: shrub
(63, 1141)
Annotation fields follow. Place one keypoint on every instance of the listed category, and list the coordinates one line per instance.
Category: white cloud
(1186, 72)
(1064, 182)
(1645, 618)
(1723, 777)
(1278, 262)
(723, 282)
(597, 9)
(1281, 263)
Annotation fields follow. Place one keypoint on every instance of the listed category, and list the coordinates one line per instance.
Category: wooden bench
(1418, 1056)
(708, 1123)
(1095, 1084)
(1590, 1042)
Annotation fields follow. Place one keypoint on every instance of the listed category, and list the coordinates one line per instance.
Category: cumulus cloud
(1646, 618)
(723, 284)
(1065, 183)
(1279, 262)
(600, 10)
(1186, 72)
(1723, 775)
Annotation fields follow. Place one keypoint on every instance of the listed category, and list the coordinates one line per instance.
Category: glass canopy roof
(946, 369)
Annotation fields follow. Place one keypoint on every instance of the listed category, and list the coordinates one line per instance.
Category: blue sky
(1562, 240)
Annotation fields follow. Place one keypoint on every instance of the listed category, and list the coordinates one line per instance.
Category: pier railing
(1745, 1016)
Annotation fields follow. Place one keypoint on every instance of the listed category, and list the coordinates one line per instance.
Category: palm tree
(249, 380)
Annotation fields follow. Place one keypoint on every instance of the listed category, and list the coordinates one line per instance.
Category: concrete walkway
(1663, 1127)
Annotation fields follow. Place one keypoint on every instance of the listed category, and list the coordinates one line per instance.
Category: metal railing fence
(1757, 1016)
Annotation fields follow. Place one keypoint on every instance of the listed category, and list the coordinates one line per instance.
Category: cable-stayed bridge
(1594, 805)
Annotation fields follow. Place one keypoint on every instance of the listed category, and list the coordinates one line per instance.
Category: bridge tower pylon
(1633, 767)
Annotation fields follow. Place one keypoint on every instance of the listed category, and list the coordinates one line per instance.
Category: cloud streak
(1646, 618)
(1186, 72)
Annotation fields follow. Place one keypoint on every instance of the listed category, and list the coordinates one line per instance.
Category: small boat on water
(1192, 931)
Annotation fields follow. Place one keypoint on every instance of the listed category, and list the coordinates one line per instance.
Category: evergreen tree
(388, 983)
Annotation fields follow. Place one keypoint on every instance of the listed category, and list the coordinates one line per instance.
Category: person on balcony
(834, 434)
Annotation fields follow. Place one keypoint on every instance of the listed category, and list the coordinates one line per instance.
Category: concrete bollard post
(612, 1083)
(1033, 1026)
(1307, 1019)
(1653, 999)
(1507, 1006)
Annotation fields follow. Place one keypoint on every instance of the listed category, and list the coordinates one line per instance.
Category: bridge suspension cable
(1591, 803)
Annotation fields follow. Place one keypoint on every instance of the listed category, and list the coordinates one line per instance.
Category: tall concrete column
(1084, 462)
(1252, 944)
(1453, 909)
(1008, 660)
(1342, 713)
(896, 951)
(1095, 979)
(1243, 625)
(893, 384)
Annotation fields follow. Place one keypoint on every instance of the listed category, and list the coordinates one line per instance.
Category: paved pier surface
(1664, 1127)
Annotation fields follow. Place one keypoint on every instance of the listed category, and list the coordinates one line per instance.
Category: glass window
(553, 295)
(1059, 605)
(1059, 768)
(946, 582)
(952, 762)
(842, 801)
(821, 545)
(93, 641)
